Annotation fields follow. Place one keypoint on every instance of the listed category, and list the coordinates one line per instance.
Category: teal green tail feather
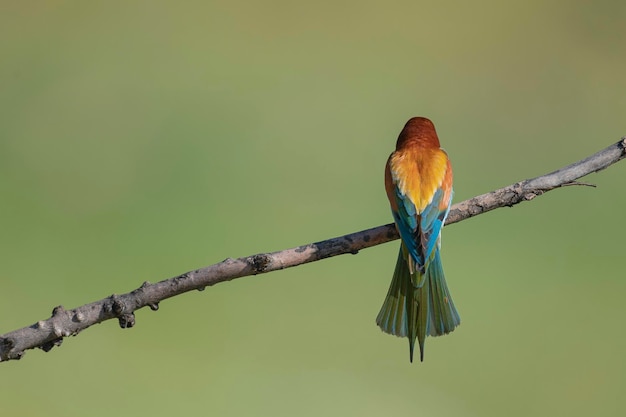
(417, 312)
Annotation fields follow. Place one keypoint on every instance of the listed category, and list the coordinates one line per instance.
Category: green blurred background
(139, 140)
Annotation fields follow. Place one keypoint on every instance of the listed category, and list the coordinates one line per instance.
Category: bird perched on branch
(418, 181)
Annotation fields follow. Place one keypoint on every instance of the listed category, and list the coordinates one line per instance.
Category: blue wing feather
(421, 241)
(406, 220)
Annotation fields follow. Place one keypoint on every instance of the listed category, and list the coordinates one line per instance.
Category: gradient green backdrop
(139, 140)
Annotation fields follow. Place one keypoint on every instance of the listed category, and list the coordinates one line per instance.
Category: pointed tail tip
(421, 356)
(411, 351)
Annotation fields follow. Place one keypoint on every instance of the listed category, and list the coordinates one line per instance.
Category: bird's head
(418, 131)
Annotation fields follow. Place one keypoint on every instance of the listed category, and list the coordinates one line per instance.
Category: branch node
(47, 347)
(16, 355)
(117, 307)
(260, 263)
(127, 320)
(7, 343)
(153, 306)
(57, 311)
(58, 331)
(78, 317)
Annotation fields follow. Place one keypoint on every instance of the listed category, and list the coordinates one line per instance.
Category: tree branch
(48, 333)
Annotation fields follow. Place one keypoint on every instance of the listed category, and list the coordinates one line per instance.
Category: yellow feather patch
(418, 173)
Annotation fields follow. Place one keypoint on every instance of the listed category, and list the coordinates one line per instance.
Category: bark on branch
(46, 334)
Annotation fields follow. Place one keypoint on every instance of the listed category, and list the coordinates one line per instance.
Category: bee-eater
(418, 181)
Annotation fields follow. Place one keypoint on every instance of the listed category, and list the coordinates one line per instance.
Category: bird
(418, 182)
